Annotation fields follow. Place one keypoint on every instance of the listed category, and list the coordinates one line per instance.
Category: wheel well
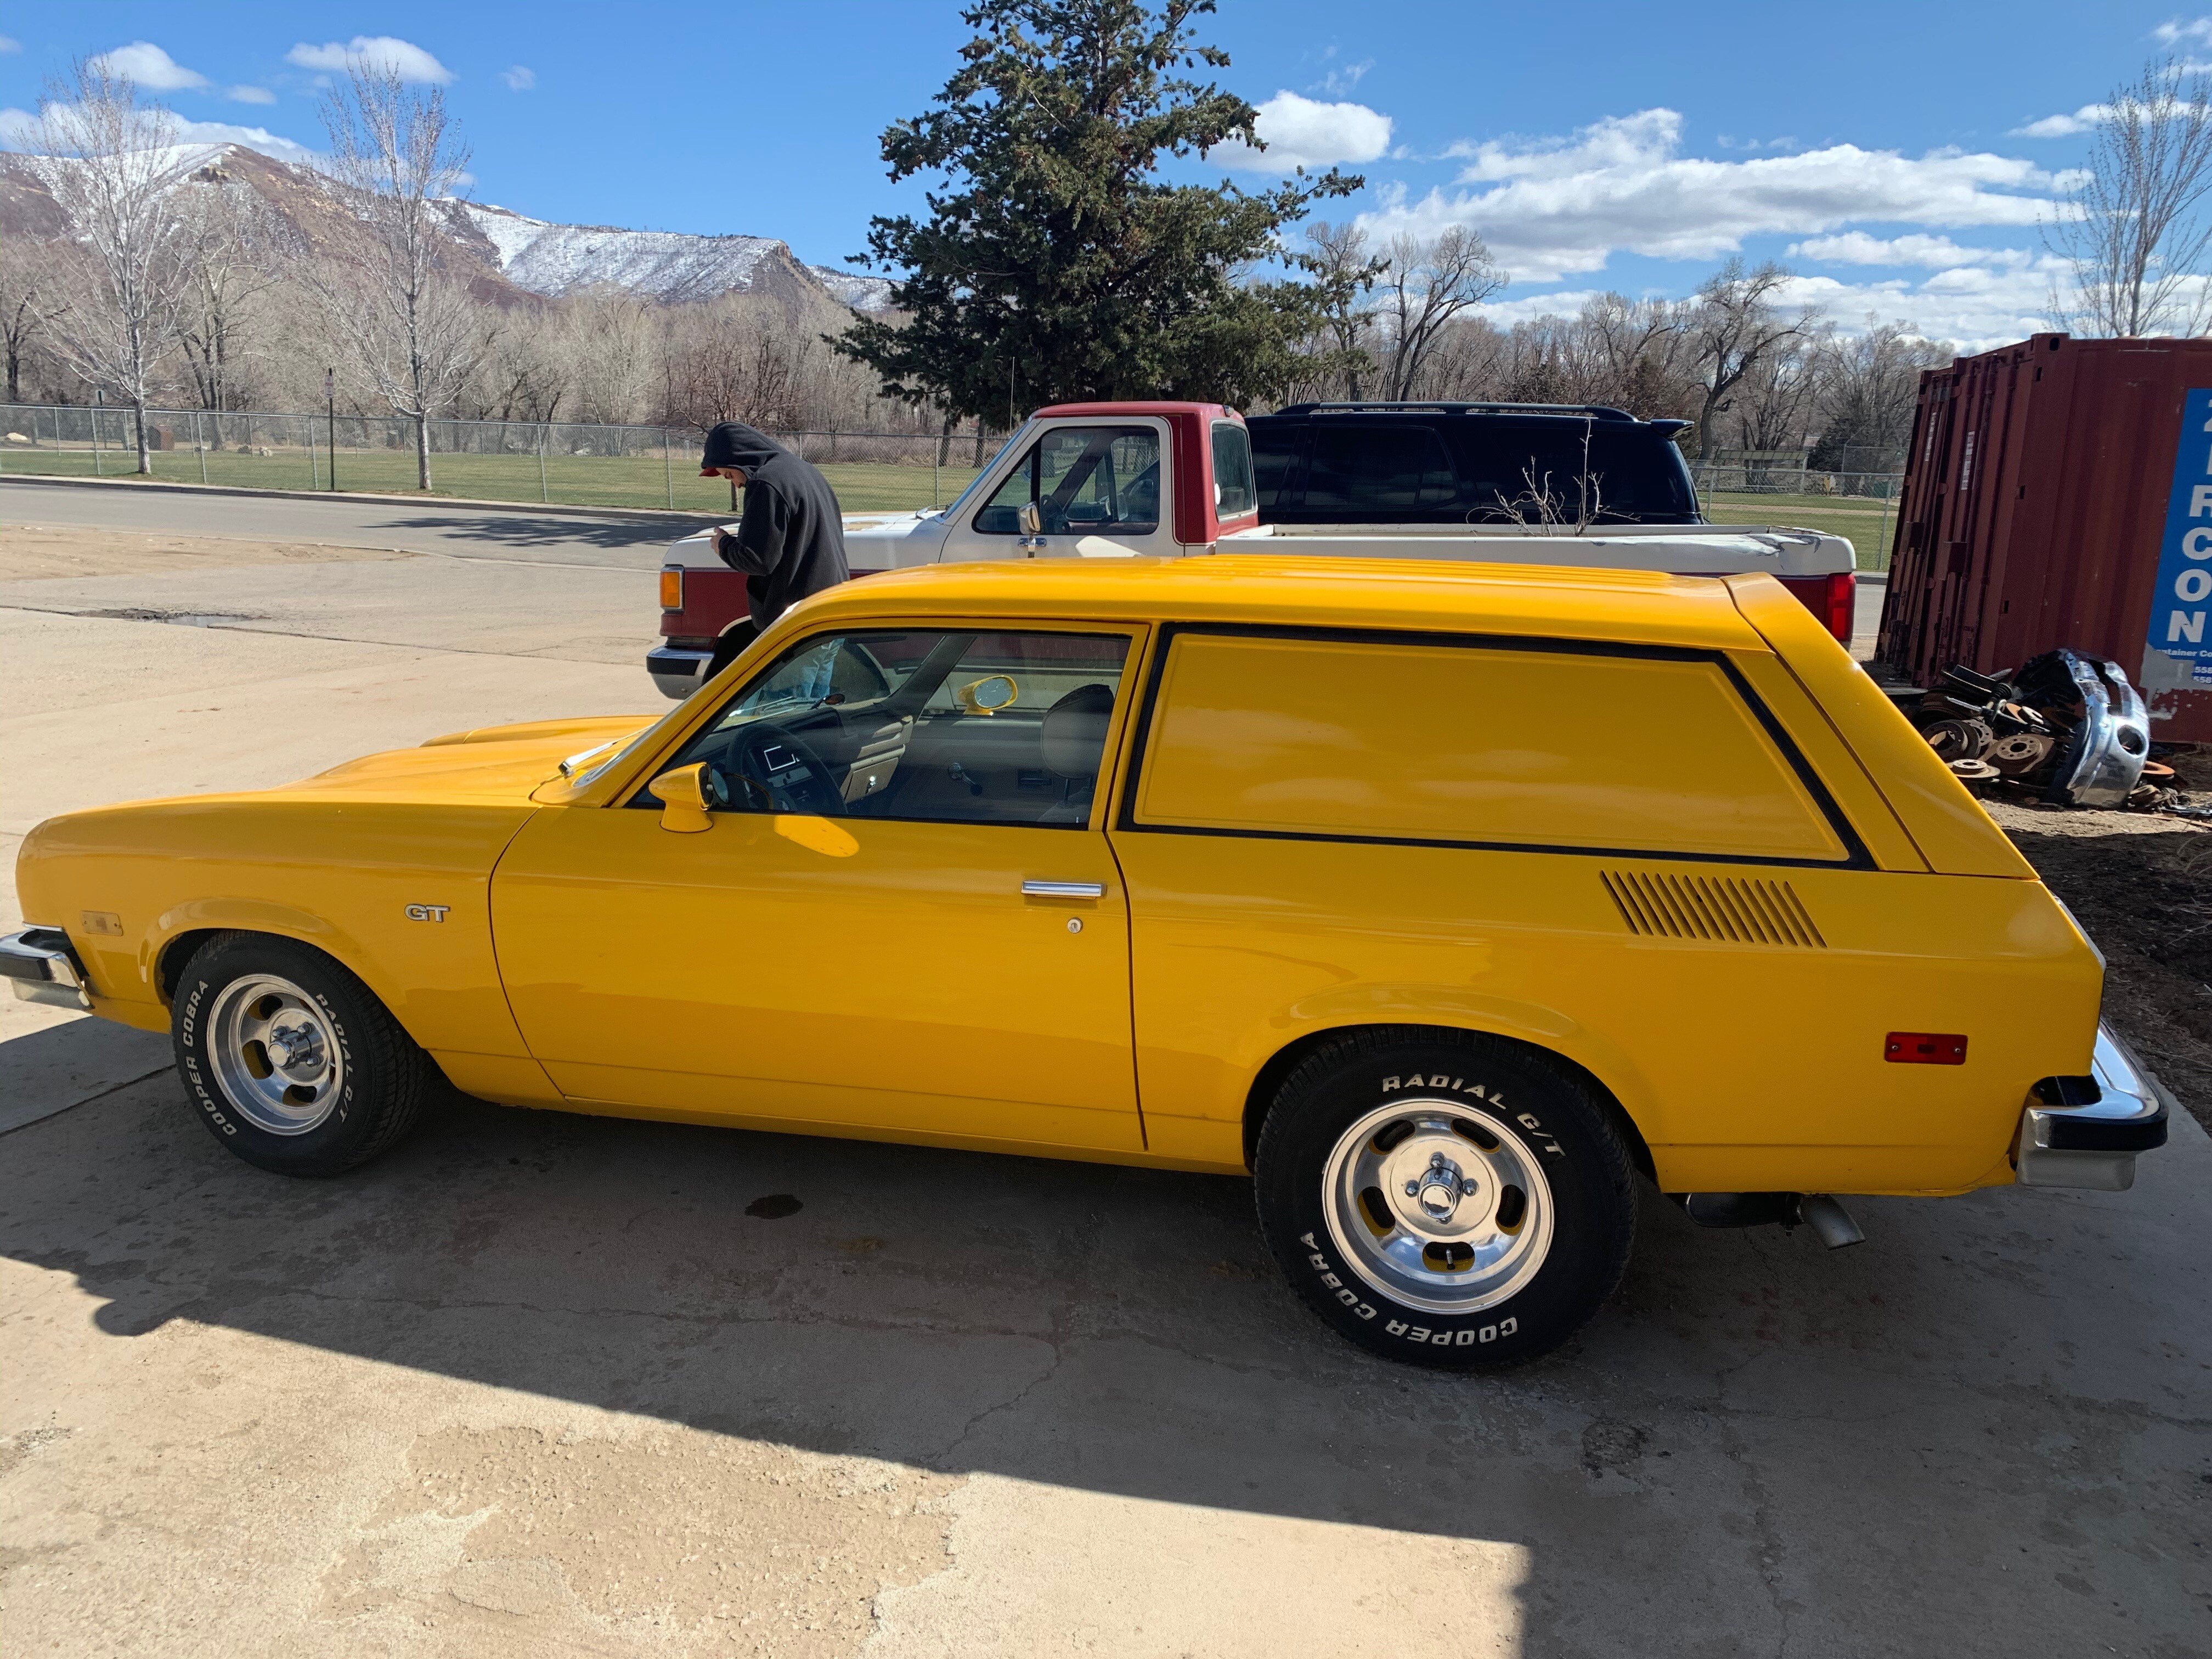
(1285, 1061)
(175, 954)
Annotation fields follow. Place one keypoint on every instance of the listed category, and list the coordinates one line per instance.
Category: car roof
(1296, 590)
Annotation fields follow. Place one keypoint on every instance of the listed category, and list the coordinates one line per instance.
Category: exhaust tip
(1831, 1222)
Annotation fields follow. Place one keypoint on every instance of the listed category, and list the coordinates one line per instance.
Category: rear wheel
(289, 1060)
(1453, 1202)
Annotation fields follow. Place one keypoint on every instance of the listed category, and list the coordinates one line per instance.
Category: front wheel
(1453, 1202)
(289, 1059)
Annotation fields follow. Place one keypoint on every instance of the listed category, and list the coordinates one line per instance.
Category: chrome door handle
(1063, 890)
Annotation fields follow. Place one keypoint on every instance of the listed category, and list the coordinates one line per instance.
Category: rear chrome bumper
(2085, 1131)
(677, 673)
(40, 967)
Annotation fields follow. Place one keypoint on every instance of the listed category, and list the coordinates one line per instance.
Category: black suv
(1456, 462)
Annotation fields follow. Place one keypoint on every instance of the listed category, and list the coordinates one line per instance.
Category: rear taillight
(672, 588)
(1839, 606)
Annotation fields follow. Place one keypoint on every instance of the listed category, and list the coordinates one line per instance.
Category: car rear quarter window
(1379, 471)
(1611, 749)
(1569, 469)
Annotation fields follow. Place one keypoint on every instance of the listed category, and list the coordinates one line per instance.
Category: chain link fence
(578, 463)
(1782, 489)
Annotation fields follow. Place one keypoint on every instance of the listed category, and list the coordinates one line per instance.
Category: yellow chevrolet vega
(1444, 900)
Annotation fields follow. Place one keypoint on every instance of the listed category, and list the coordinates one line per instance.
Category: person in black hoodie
(791, 542)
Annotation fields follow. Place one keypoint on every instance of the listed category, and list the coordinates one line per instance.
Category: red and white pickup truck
(1120, 480)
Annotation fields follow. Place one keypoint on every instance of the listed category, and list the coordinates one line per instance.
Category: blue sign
(2183, 599)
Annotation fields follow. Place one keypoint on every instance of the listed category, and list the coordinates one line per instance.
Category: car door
(902, 918)
(1100, 487)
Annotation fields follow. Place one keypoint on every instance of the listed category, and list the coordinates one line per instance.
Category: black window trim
(1125, 819)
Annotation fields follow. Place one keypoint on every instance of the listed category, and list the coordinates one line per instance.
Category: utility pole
(331, 401)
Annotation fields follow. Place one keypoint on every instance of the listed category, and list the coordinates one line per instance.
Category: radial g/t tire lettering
(1448, 1200)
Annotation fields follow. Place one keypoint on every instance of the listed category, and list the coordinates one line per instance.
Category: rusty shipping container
(2053, 496)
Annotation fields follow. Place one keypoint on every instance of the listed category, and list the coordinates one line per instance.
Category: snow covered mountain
(512, 249)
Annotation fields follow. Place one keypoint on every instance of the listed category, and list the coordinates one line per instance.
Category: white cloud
(2064, 126)
(1301, 133)
(1855, 247)
(145, 65)
(382, 52)
(8, 43)
(2173, 33)
(1555, 207)
(518, 79)
(250, 95)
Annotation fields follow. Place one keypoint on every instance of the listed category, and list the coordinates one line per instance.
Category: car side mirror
(1030, 517)
(683, 799)
(987, 695)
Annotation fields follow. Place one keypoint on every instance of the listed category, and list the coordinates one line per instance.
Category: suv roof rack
(1601, 411)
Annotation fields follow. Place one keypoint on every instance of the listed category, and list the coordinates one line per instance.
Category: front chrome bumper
(677, 673)
(40, 967)
(2085, 1131)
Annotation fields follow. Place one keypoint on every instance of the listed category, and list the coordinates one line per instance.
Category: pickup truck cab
(1128, 480)
(1442, 898)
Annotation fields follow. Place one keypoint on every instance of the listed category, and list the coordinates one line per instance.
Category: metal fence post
(98, 471)
(199, 443)
(544, 432)
(668, 466)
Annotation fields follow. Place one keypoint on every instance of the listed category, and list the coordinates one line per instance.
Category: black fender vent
(1727, 909)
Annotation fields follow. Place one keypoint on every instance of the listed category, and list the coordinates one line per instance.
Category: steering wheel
(795, 778)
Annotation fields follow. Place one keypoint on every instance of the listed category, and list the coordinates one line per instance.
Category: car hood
(507, 762)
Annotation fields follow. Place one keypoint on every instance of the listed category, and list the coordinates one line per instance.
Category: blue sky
(1884, 152)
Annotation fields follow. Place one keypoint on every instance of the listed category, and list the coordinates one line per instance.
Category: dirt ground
(33, 552)
(2141, 884)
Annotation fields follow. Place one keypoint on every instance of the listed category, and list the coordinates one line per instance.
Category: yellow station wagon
(1443, 900)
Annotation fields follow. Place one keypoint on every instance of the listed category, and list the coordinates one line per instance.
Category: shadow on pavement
(50, 1068)
(1750, 1438)
(521, 531)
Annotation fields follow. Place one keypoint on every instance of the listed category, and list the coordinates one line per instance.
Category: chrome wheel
(1438, 1205)
(276, 1055)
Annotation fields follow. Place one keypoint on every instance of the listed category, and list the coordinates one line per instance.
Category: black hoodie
(791, 542)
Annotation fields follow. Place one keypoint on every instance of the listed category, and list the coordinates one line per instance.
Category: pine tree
(1056, 263)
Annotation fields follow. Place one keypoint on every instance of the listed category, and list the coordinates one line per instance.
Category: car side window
(1602, 747)
(1380, 470)
(929, 726)
(1084, 479)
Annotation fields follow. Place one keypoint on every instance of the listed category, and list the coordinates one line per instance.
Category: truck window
(1615, 749)
(1085, 480)
(1233, 492)
(1381, 470)
(1634, 476)
(1274, 463)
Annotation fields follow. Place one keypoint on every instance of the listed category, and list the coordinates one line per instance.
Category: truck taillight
(1841, 608)
(672, 588)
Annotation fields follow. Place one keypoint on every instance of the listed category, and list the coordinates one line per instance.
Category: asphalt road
(543, 1383)
(618, 541)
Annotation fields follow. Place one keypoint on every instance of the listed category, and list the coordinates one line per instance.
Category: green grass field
(576, 480)
(1870, 525)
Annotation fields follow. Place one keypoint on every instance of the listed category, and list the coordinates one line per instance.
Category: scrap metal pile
(2063, 727)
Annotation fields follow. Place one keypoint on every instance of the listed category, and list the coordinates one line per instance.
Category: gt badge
(428, 912)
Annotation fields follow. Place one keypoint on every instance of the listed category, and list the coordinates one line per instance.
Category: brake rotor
(1959, 739)
(2019, 754)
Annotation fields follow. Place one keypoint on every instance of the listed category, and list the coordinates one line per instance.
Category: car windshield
(975, 482)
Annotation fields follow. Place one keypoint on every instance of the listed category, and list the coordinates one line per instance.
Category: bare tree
(1734, 325)
(1422, 287)
(235, 255)
(1866, 386)
(1342, 266)
(2134, 235)
(112, 166)
(404, 313)
(31, 288)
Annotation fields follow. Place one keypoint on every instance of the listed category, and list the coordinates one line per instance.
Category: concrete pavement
(542, 1383)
